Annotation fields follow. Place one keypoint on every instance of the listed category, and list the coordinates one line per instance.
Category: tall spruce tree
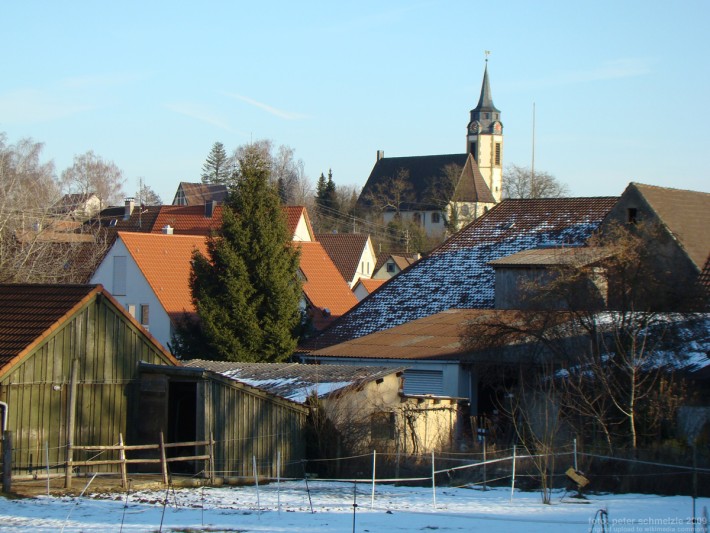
(217, 167)
(247, 292)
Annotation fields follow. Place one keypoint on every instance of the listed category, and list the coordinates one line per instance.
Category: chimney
(380, 154)
(167, 230)
(209, 208)
(130, 204)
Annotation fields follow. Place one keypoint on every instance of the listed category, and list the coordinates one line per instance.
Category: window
(145, 315)
(382, 426)
(119, 275)
(417, 218)
(464, 210)
(131, 308)
(498, 154)
(472, 151)
(390, 267)
(632, 215)
(435, 218)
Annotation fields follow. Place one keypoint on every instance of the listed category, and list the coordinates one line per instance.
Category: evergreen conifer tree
(217, 167)
(247, 292)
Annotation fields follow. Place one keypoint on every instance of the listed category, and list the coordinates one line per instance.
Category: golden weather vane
(487, 53)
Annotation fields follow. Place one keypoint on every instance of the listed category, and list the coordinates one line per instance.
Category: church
(442, 193)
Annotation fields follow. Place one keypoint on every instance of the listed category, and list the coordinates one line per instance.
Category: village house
(352, 253)
(149, 274)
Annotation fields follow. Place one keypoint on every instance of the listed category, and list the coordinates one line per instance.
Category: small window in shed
(382, 426)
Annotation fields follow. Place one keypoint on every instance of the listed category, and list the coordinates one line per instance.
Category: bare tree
(287, 174)
(392, 193)
(37, 243)
(147, 196)
(522, 182)
(91, 174)
(610, 330)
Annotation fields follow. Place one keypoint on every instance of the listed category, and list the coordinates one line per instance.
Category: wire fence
(515, 467)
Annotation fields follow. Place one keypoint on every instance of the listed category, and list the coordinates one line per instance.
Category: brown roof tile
(27, 311)
(198, 193)
(345, 249)
(434, 337)
(513, 217)
(31, 312)
(687, 216)
(471, 186)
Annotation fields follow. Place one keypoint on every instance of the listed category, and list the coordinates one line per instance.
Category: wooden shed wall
(246, 424)
(108, 348)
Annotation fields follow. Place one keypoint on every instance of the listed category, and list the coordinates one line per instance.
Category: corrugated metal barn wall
(108, 348)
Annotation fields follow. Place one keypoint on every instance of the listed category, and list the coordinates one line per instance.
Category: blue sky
(620, 88)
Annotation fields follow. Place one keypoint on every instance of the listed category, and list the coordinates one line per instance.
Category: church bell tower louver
(484, 138)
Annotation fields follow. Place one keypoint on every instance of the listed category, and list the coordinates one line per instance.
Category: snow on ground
(395, 509)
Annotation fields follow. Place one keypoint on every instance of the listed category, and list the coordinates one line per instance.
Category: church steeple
(484, 137)
(485, 114)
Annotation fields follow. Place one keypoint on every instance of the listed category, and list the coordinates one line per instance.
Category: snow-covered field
(287, 508)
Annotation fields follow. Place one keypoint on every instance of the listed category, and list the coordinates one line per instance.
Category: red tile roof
(187, 219)
(165, 263)
(293, 218)
(371, 285)
(323, 285)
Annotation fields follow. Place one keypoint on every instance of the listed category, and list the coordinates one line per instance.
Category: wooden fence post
(122, 457)
(7, 461)
(211, 459)
(163, 460)
(71, 417)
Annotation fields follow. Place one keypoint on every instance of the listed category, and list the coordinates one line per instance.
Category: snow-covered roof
(458, 274)
(294, 381)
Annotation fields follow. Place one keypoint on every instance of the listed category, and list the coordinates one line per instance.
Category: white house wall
(302, 234)
(366, 265)
(138, 291)
(430, 228)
